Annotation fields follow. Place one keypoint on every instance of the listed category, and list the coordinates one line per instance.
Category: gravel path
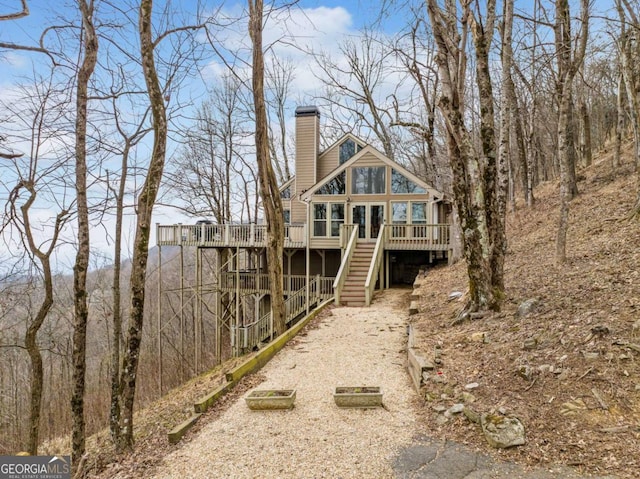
(351, 347)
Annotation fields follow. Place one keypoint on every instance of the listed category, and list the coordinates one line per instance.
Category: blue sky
(330, 20)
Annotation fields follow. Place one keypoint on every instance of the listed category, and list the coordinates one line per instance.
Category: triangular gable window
(336, 186)
(348, 148)
(401, 184)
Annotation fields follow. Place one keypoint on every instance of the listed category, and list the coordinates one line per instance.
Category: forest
(138, 110)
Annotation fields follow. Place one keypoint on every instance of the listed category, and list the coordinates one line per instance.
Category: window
(286, 193)
(320, 219)
(399, 213)
(418, 213)
(335, 186)
(401, 184)
(287, 216)
(323, 223)
(369, 180)
(347, 149)
(337, 218)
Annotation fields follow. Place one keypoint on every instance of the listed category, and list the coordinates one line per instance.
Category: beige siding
(328, 162)
(298, 212)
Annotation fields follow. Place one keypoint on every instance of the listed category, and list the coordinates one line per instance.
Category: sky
(314, 24)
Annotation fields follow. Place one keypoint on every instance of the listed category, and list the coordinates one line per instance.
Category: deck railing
(397, 237)
(259, 282)
(413, 236)
(252, 334)
(374, 269)
(341, 277)
(245, 235)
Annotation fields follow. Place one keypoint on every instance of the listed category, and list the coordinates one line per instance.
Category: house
(355, 221)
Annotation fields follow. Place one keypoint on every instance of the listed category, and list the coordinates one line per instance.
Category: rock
(527, 307)
(455, 295)
(439, 408)
(471, 386)
(479, 337)
(637, 387)
(471, 415)
(545, 368)
(468, 398)
(413, 308)
(441, 420)
(502, 431)
(530, 344)
(456, 408)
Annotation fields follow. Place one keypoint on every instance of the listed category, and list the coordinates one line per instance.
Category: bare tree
(89, 40)
(568, 62)
(279, 77)
(15, 15)
(269, 191)
(354, 90)
(475, 174)
(37, 180)
(203, 174)
(146, 201)
(629, 53)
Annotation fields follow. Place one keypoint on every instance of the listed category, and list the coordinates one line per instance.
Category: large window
(335, 186)
(327, 225)
(368, 180)
(348, 148)
(401, 184)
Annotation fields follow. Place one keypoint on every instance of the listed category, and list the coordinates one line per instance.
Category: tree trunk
(619, 123)
(81, 266)
(267, 181)
(474, 177)
(146, 201)
(31, 334)
(585, 135)
(567, 65)
(116, 334)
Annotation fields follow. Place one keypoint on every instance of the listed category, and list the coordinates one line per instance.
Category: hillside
(583, 332)
(576, 382)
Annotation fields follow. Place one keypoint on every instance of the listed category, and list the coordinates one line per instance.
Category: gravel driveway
(350, 347)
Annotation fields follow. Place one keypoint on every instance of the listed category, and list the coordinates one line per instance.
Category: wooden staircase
(353, 290)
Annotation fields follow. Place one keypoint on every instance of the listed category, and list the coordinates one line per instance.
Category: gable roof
(379, 155)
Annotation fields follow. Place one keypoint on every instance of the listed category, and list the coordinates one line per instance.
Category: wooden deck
(397, 237)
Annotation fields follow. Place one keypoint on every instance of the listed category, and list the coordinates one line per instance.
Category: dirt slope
(576, 383)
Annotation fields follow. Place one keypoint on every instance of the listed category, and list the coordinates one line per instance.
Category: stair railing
(341, 277)
(374, 269)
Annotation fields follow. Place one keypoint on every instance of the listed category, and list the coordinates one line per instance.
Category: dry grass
(588, 305)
